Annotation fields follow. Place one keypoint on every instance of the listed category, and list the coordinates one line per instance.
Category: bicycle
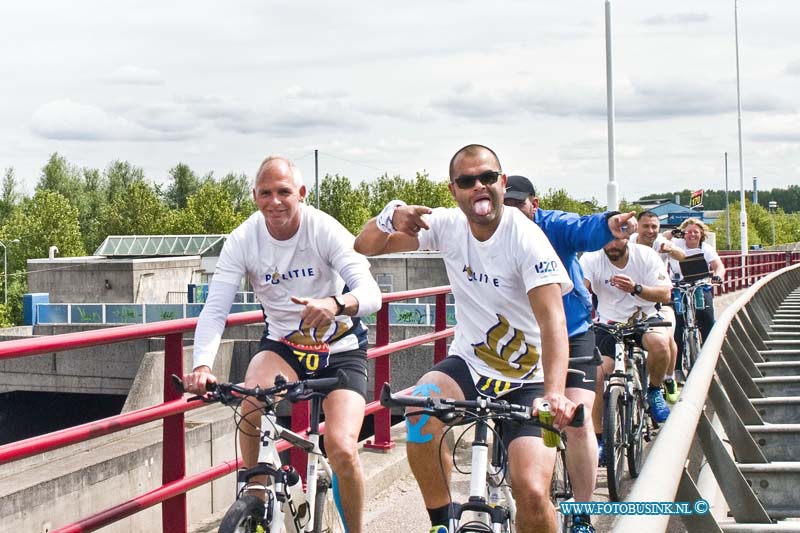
(490, 506)
(688, 297)
(285, 506)
(625, 427)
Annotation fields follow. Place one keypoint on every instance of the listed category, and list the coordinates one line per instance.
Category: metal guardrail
(171, 494)
(723, 378)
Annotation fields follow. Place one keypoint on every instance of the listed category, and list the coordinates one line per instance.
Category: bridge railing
(172, 492)
(744, 270)
(722, 380)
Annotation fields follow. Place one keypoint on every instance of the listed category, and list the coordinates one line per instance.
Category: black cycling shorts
(352, 362)
(607, 343)
(457, 368)
(582, 345)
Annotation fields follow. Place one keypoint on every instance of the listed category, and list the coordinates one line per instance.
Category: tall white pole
(743, 211)
(611, 189)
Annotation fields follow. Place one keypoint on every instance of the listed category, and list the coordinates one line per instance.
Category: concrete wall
(53, 489)
(83, 279)
(415, 270)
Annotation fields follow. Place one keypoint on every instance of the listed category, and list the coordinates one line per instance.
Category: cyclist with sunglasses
(503, 345)
(571, 234)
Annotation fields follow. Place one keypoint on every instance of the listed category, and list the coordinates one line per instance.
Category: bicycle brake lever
(578, 417)
(177, 382)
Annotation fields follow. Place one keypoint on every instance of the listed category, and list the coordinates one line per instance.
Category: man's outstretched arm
(394, 230)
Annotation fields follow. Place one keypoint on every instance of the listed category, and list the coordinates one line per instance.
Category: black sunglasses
(487, 178)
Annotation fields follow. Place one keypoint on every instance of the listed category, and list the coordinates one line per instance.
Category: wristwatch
(339, 304)
(637, 289)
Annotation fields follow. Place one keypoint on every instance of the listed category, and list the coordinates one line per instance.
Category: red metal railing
(175, 484)
(743, 271)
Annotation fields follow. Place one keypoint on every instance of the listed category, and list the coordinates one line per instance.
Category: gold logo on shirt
(327, 333)
(506, 351)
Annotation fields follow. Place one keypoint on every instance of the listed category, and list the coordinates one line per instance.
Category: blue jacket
(570, 234)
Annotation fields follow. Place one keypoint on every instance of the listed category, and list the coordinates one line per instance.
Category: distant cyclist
(628, 281)
(649, 235)
(298, 261)
(504, 344)
(571, 234)
(694, 243)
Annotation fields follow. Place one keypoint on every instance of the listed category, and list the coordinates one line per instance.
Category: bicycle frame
(486, 486)
(690, 326)
(269, 463)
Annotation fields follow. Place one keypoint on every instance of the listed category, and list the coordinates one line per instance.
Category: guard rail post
(440, 345)
(173, 455)
(382, 420)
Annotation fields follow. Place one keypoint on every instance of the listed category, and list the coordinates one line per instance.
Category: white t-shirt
(316, 262)
(614, 305)
(709, 253)
(496, 332)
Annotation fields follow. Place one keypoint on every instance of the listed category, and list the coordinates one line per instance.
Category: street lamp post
(773, 205)
(5, 271)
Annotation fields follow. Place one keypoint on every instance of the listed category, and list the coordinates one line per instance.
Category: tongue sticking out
(482, 207)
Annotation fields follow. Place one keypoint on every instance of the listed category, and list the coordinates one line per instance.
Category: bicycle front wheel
(691, 349)
(246, 515)
(636, 434)
(614, 440)
(326, 515)
(560, 490)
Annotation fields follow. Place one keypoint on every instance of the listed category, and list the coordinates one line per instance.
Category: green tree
(120, 175)
(47, 219)
(754, 216)
(342, 202)
(559, 199)
(183, 184)
(208, 211)
(61, 177)
(9, 195)
(95, 198)
(424, 191)
(240, 189)
(137, 211)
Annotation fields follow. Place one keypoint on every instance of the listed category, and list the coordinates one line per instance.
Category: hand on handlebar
(716, 280)
(561, 407)
(197, 381)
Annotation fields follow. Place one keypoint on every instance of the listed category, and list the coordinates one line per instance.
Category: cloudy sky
(397, 87)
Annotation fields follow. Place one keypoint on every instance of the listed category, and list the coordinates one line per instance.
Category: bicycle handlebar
(448, 409)
(228, 393)
(621, 330)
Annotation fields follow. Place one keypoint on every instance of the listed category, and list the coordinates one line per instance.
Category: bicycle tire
(614, 440)
(246, 515)
(691, 349)
(560, 491)
(326, 515)
(635, 451)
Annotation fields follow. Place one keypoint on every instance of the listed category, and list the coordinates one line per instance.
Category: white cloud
(71, 121)
(133, 75)
(676, 19)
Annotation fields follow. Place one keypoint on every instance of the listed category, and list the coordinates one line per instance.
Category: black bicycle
(281, 505)
(625, 414)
